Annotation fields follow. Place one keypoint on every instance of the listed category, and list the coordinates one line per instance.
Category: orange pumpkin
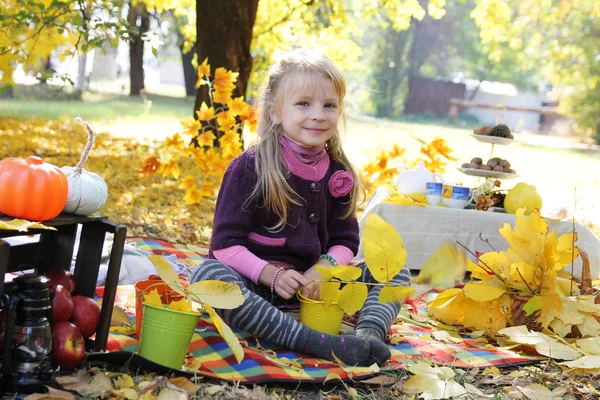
(32, 189)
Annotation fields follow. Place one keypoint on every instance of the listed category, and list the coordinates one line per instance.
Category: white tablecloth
(423, 229)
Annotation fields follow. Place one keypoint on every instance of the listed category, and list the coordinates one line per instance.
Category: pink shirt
(249, 265)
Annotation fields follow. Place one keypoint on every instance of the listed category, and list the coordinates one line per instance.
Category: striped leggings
(262, 319)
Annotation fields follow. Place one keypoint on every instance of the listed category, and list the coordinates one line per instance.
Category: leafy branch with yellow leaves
(208, 294)
(385, 256)
(527, 280)
(382, 171)
(198, 156)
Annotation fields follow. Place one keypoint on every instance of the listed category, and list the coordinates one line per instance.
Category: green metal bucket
(166, 335)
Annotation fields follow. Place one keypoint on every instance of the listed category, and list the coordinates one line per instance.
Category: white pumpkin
(87, 191)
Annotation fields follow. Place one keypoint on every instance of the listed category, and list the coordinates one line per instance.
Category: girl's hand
(288, 283)
(312, 290)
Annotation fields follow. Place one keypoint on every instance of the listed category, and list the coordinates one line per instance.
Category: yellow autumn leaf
(496, 262)
(589, 327)
(226, 333)
(346, 272)
(586, 362)
(395, 294)
(383, 247)
(218, 294)
(532, 305)
(590, 346)
(484, 290)
(433, 382)
(126, 393)
(332, 375)
(329, 290)
(453, 307)
(444, 267)
(325, 272)
(565, 250)
(22, 225)
(353, 297)
(557, 350)
(167, 273)
(180, 305)
(122, 329)
(153, 298)
(124, 381)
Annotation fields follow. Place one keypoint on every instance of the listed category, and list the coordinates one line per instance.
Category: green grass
(95, 107)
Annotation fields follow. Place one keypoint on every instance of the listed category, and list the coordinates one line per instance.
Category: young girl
(288, 204)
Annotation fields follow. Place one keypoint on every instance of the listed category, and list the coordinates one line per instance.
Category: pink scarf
(308, 155)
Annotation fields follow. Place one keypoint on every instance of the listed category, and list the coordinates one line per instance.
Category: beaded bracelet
(273, 282)
(328, 258)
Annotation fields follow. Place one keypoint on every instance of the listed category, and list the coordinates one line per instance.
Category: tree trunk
(189, 72)
(81, 78)
(224, 34)
(139, 17)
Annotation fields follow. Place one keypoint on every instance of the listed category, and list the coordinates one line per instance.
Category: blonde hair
(271, 186)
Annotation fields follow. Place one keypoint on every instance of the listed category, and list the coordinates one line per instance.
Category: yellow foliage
(211, 142)
(225, 331)
(383, 172)
(530, 267)
(180, 305)
(384, 250)
(395, 294)
(153, 298)
(444, 267)
(353, 297)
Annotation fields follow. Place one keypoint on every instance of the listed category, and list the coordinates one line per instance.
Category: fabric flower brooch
(340, 183)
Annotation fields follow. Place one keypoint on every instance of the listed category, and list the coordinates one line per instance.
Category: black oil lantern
(28, 337)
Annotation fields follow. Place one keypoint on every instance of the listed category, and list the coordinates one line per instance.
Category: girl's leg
(260, 318)
(375, 319)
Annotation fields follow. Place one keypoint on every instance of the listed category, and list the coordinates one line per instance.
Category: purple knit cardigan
(312, 228)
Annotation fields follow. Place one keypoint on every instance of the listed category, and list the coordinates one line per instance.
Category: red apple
(86, 314)
(68, 346)
(62, 304)
(60, 277)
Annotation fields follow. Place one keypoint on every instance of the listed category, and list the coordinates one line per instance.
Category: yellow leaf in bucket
(226, 333)
(395, 294)
(329, 290)
(167, 273)
(353, 297)
(153, 298)
(180, 305)
(346, 272)
(383, 247)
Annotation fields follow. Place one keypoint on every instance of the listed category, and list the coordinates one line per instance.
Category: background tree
(560, 36)
(33, 30)
(440, 44)
(138, 17)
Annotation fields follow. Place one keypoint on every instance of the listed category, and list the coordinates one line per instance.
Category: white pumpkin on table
(87, 191)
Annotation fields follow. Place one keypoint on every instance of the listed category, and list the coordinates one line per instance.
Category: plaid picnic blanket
(210, 356)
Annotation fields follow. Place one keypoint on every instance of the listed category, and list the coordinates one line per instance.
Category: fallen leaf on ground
(538, 392)
(557, 350)
(585, 362)
(447, 337)
(433, 382)
(52, 394)
(22, 225)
